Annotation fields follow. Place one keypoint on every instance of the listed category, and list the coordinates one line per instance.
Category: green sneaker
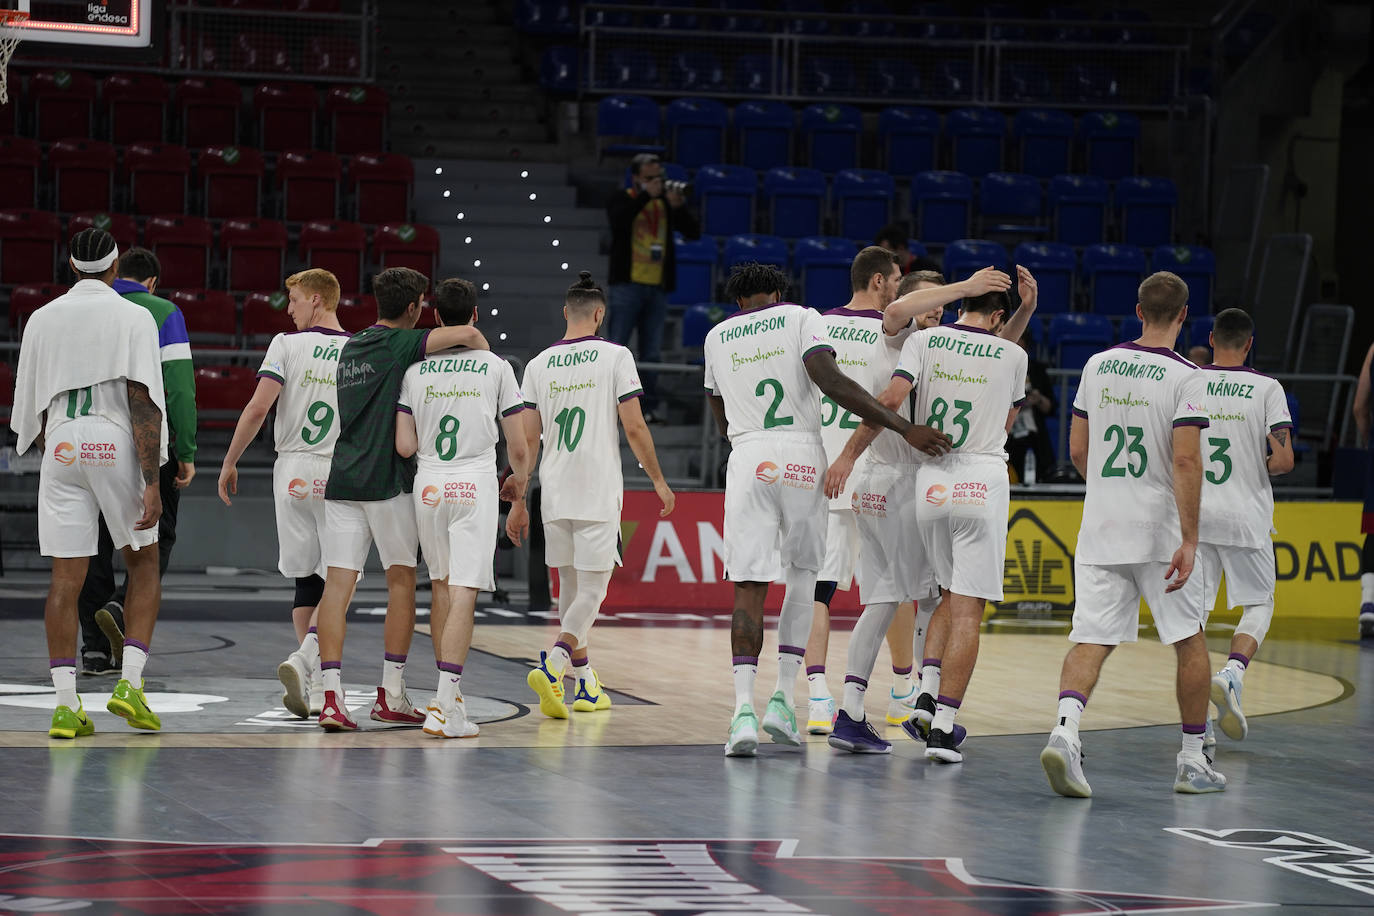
(781, 722)
(70, 723)
(744, 734)
(130, 703)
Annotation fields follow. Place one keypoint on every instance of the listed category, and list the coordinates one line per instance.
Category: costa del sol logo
(766, 472)
(430, 496)
(937, 494)
(64, 453)
(299, 489)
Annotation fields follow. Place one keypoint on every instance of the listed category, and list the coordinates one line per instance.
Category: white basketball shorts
(1107, 603)
(89, 469)
(961, 506)
(298, 481)
(892, 562)
(1250, 573)
(352, 525)
(775, 509)
(456, 515)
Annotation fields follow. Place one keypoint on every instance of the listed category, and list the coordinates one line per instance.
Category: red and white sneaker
(334, 715)
(396, 710)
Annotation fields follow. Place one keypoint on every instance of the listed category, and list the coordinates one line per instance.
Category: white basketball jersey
(966, 380)
(108, 400)
(756, 363)
(1244, 407)
(306, 364)
(455, 397)
(577, 386)
(889, 448)
(1133, 397)
(855, 335)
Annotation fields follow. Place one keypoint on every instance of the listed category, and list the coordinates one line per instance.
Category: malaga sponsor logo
(937, 494)
(64, 453)
(299, 489)
(766, 472)
(430, 496)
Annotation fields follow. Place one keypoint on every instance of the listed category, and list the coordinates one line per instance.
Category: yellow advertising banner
(1316, 554)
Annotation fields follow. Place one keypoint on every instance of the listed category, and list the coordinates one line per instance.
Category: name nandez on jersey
(478, 366)
(1125, 400)
(1230, 390)
(738, 362)
(1134, 370)
(572, 358)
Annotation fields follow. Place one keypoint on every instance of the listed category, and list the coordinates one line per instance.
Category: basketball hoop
(10, 36)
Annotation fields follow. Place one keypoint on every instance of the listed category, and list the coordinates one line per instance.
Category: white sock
(333, 681)
(815, 679)
(582, 672)
(310, 648)
(944, 717)
(1367, 588)
(788, 666)
(64, 680)
(449, 688)
(394, 674)
(854, 690)
(558, 659)
(1236, 668)
(1192, 745)
(901, 684)
(745, 672)
(1070, 712)
(134, 660)
(930, 680)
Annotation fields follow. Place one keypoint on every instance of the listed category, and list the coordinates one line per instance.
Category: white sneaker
(1209, 737)
(452, 722)
(1196, 775)
(899, 709)
(743, 740)
(294, 674)
(316, 692)
(820, 718)
(1062, 760)
(1226, 692)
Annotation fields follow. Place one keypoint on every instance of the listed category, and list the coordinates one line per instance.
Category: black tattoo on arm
(147, 423)
(1280, 436)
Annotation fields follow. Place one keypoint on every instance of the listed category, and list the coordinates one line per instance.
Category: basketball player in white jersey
(763, 368)
(1137, 422)
(298, 376)
(576, 391)
(1247, 442)
(88, 391)
(447, 416)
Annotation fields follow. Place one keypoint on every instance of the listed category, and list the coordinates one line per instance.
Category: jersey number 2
(771, 418)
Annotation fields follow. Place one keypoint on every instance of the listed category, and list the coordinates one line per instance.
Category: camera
(677, 187)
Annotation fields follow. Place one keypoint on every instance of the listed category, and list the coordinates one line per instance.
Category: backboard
(104, 23)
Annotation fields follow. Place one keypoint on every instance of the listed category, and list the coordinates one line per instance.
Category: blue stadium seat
(546, 17)
(907, 137)
(631, 118)
(1079, 207)
(753, 73)
(1112, 275)
(631, 68)
(803, 25)
(976, 138)
(1046, 141)
(696, 271)
(764, 129)
(726, 193)
(795, 199)
(1198, 268)
(1147, 210)
(766, 249)
(1076, 336)
(893, 77)
(965, 256)
(699, 319)
(953, 79)
(831, 133)
(828, 76)
(1011, 205)
(1026, 83)
(1110, 140)
(824, 267)
(941, 203)
(863, 202)
(558, 68)
(1200, 330)
(1053, 264)
(696, 129)
(697, 71)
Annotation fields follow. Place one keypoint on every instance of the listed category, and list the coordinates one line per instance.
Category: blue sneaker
(920, 731)
(856, 737)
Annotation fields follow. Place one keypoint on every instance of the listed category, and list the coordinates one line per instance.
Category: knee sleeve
(309, 590)
(1255, 620)
(867, 638)
(798, 607)
(567, 589)
(581, 611)
(825, 592)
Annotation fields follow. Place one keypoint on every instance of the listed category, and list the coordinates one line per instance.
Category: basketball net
(10, 36)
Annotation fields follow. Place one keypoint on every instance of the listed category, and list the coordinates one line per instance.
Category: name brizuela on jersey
(966, 380)
(454, 397)
(578, 386)
(856, 336)
(755, 363)
(1133, 397)
(305, 364)
(1244, 407)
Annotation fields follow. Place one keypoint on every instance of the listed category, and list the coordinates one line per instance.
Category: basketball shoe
(1062, 760)
(294, 674)
(1209, 736)
(1196, 775)
(396, 709)
(857, 737)
(1226, 690)
(110, 619)
(590, 697)
(943, 747)
(70, 723)
(334, 715)
(130, 704)
(1367, 621)
(549, 688)
(899, 709)
(743, 740)
(780, 722)
(452, 722)
(820, 716)
(924, 710)
(920, 731)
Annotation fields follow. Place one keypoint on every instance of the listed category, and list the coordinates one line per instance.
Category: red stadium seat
(285, 115)
(255, 251)
(332, 56)
(211, 314)
(63, 104)
(137, 107)
(337, 247)
(221, 393)
(231, 177)
(357, 312)
(19, 159)
(209, 112)
(83, 171)
(120, 225)
(264, 315)
(309, 182)
(257, 52)
(28, 246)
(194, 50)
(357, 118)
(381, 185)
(182, 244)
(25, 300)
(6, 389)
(407, 245)
(158, 177)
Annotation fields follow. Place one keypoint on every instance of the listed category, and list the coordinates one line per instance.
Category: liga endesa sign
(678, 562)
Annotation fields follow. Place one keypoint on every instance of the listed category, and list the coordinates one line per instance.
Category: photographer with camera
(643, 265)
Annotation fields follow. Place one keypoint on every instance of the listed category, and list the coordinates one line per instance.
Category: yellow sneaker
(590, 696)
(70, 723)
(549, 688)
(129, 703)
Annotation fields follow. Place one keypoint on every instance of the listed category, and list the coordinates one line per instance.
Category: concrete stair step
(432, 207)
(476, 169)
(452, 128)
(517, 240)
(466, 193)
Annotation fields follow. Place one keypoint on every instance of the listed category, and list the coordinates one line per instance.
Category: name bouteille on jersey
(964, 347)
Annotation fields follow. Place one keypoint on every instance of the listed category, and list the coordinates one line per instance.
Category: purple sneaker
(919, 731)
(856, 737)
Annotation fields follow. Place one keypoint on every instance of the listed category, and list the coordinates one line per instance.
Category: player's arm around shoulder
(447, 338)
